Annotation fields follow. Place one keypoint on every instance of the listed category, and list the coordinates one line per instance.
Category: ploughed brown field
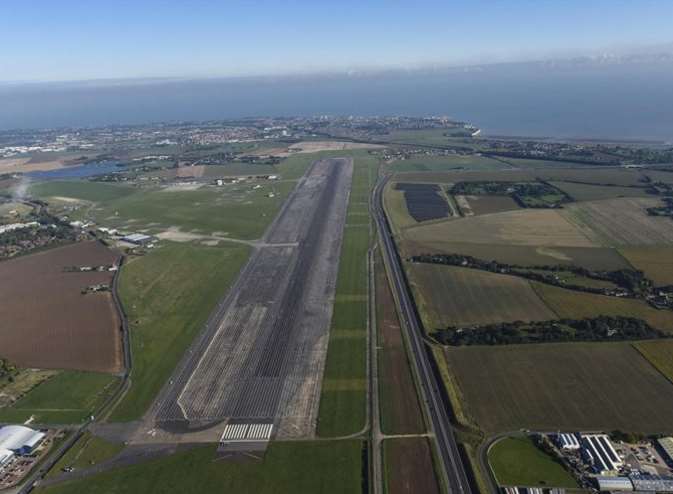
(46, 320)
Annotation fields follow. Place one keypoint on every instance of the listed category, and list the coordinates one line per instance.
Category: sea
(614, 101)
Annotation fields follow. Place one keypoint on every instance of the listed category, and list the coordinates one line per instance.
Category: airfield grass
(577, 305)
(235, 210)
(69, 397)
(89, 450)
(326, 467)
(168, 295)
(516, 461)
(572, 386)
(80, 189)
(343, 396)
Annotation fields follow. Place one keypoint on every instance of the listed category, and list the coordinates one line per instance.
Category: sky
(46, 40)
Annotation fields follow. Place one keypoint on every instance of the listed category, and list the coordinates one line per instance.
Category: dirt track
(46, 322)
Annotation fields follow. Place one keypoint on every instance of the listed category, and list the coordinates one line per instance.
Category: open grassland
(588, 257)
(655, 262)
(446, 163)
(538, 227)
(317, 467)
(82, 190)
(660, 354)
(399, 408)
(343, 396)
(408, 467)
(168, 295)
(66, 398)
(577, 305)
(47, 322)
(621, 222)
(572, 386)
(453, 296)
(89, 450)
(516, 461)
(585, 192)
(426, 137)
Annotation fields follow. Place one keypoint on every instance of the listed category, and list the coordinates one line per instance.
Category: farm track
(261, 355)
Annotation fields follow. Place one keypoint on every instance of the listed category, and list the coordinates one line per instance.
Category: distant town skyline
(77, 40)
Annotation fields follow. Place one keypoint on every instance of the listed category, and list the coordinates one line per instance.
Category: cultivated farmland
(595, 386)
(577, 305)
(48, 322)
(453, 296)
(408, 466)
(655, 262)
(491, 204)
(400, 410)
(588, 257)
(659, 354)
(588, 192)
(621, 222)
(539, 227)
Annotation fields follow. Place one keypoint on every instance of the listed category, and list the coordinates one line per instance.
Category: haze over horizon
(76, 40)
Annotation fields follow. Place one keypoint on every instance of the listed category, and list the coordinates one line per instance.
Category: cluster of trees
(628, 279)
(665, 210)
(602, 328)
(526, 194)
(7, 371)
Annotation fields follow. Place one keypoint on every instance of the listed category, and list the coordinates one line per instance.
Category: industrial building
(137, 238)
(599, 452)
(5, 457)
(567, 441)
(19, 440)
(666, 449)
(612, 484)
(652, 483)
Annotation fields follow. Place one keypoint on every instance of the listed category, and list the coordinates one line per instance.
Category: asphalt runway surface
(261, 356)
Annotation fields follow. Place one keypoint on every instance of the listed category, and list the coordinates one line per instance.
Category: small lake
(78, 171)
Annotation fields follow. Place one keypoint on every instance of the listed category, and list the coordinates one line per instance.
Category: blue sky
(76, 39)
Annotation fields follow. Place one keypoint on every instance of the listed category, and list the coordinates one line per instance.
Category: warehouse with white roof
(19, 439)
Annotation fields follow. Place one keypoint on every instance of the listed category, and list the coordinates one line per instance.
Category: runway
(261, 356)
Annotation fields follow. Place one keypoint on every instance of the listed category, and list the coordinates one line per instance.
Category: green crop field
(324, 467)
(168, 295)
(343, 396)
(566, 386)
(83, 190)
(87, 451)
(69, 397)
(516, 461)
